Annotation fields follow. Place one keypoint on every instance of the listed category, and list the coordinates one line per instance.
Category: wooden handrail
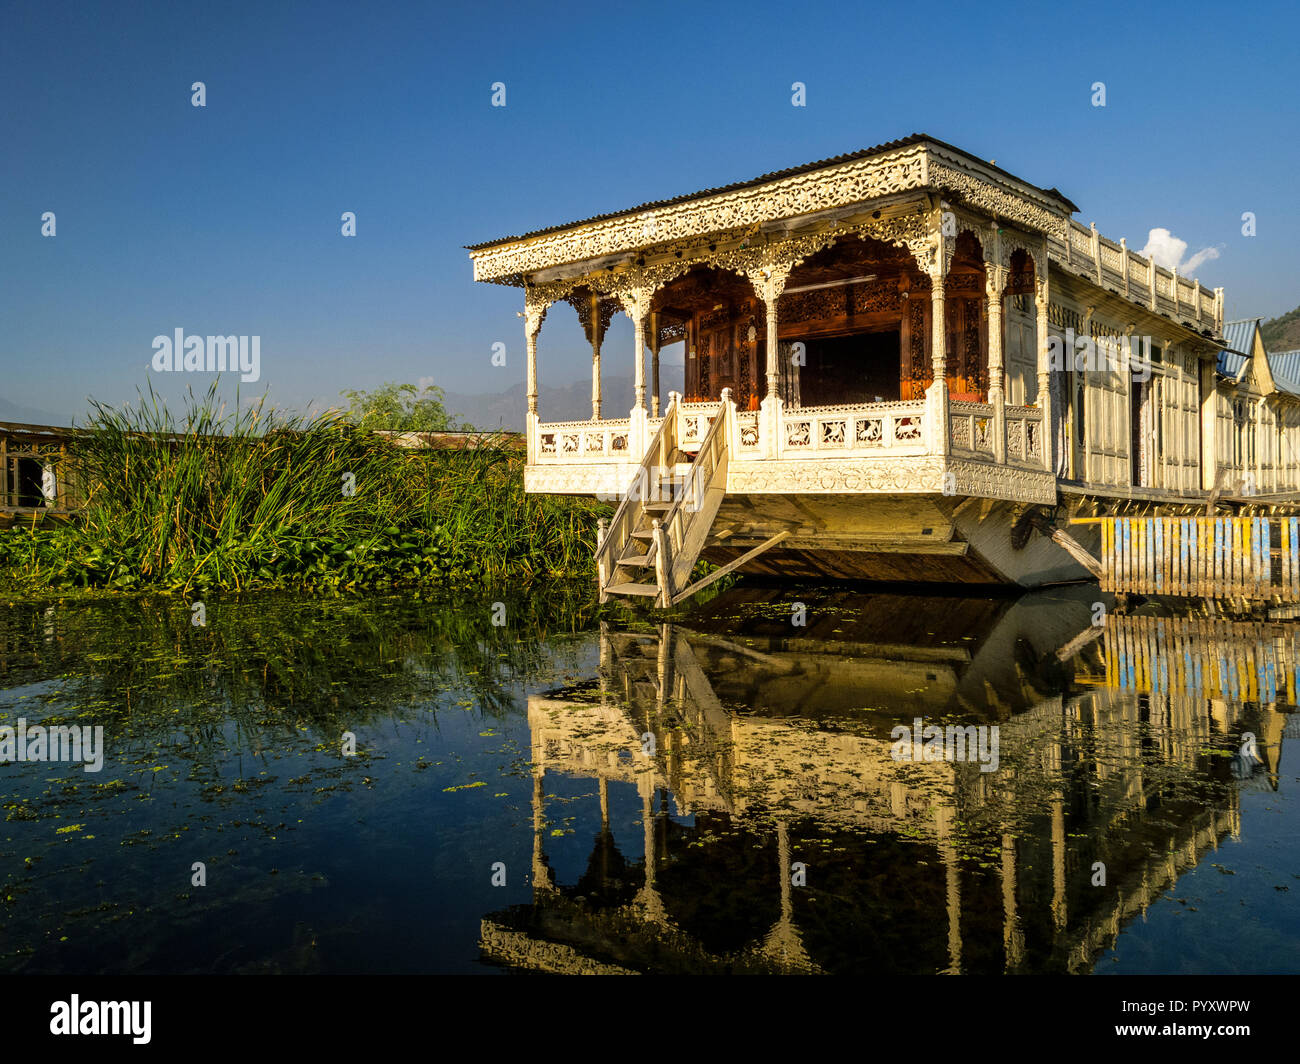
(629, 510)
(710, 465)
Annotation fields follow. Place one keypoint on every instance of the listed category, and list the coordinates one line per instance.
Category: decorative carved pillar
(769, 282)
(639, 329)
(995, 282)
(654, 365)
(534, 315)
(596, 337)
(938, 328)
(636, 302)
(1044, 366)
(994, 279)
(937, 395)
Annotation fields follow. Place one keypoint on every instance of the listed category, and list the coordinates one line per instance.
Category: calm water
(719, 794)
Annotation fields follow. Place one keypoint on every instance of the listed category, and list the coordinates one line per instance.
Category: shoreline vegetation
(260, 499)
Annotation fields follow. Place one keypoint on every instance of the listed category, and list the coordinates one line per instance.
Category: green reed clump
(257, 498)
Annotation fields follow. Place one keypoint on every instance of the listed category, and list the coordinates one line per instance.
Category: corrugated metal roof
(1285, 365)
(1239, 336)
(915, 138)
(1285, 384)
(1230, 363)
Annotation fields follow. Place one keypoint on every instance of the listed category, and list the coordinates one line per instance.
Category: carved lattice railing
(1024, 428)
(972, 432)
(971, 428)
(574, 442)
(859, 429)
(1085, 252)
(694, 421)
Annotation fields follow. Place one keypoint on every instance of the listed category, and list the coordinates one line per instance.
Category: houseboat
(900, 364)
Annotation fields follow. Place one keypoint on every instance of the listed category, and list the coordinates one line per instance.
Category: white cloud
(1168, 250)
(1204, 255)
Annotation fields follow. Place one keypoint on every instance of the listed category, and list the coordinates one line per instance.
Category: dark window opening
(851, 369)
(29, 483)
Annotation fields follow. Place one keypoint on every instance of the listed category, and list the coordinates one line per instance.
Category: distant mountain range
(1282, 333)
(492, 410)
(505, 410)
(28, 415)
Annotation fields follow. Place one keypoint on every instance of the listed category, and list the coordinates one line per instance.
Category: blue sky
(226, 218)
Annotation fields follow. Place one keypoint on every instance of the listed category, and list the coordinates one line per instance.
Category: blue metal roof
(1231, 364)
(1240, 339)
(1286, 370)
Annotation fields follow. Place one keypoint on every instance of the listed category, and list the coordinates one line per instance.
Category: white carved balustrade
(747, 429)
(1024, 429)
(1115, 267)
(897, 429)
(856, 430)
(579, 442)
(693, 421)
(972, 429)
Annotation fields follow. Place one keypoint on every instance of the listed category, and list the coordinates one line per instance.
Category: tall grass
(256, 497)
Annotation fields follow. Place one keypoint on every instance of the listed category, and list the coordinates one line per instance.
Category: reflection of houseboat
(773, 747)
(890, 359)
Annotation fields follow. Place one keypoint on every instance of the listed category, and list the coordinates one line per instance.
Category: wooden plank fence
(1237, 661)
(1209, 557)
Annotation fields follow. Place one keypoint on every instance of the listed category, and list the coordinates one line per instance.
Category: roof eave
(914, 140)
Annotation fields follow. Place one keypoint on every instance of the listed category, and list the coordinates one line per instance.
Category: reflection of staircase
(662, 524)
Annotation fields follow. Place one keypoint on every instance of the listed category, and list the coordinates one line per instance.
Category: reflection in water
(778, 834)
(224, 747)
(715, 795)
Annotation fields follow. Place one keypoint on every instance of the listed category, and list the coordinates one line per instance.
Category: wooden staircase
(651, 545)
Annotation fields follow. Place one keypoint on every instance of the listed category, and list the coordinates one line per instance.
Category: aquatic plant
(260, 498)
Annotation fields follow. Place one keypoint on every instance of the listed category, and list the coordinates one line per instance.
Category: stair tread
(643, 533)
(632, 589)
(635, 559)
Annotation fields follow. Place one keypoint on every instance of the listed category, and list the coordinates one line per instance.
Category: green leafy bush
(260, 499)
